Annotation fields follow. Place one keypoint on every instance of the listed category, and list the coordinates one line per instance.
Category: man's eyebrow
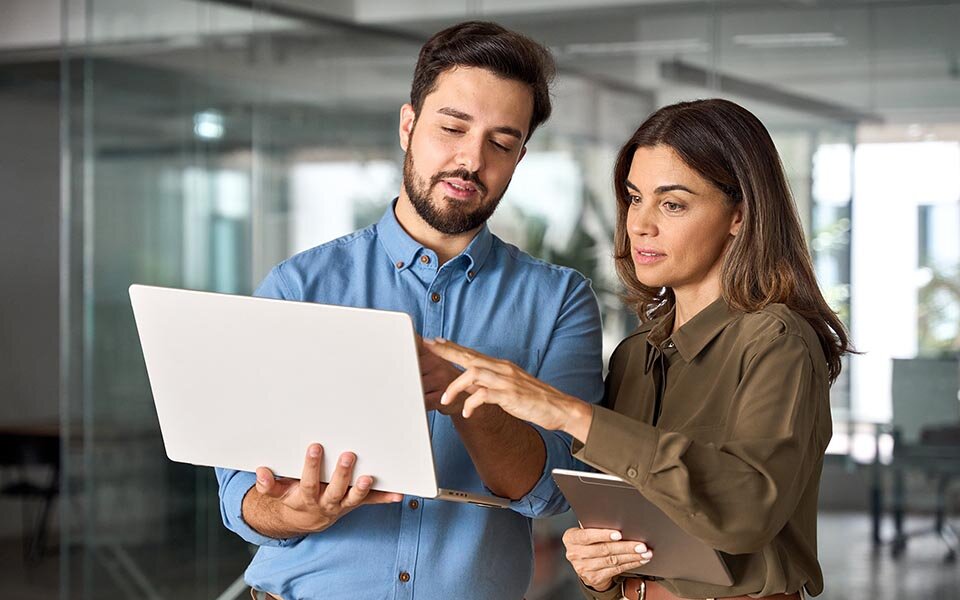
(459, 114)
(456, 114)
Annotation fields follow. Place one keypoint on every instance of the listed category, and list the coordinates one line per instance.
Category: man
(478, 93)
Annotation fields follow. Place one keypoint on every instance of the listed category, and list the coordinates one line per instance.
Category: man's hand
(437, 374)
(306, 505)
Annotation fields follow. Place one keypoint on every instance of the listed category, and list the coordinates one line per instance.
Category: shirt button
(425, 259)
(435, 297)
(631, 472)
(404, 576)
(399, 264)
(414, 504)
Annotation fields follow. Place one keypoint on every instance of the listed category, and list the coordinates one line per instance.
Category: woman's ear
(737, 221)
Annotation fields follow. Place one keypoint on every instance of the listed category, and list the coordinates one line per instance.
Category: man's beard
(451, 219)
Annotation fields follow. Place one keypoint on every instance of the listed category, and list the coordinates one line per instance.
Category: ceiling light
(639, 47)
(821, 39)
(208, 125)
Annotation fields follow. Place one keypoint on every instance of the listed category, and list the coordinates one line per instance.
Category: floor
(852, 570)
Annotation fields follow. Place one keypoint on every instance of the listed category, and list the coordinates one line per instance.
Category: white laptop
(242, 382)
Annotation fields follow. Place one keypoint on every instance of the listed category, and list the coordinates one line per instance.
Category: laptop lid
(242, 382)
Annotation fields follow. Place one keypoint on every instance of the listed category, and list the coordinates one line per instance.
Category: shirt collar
(403, 249)
(694, 335)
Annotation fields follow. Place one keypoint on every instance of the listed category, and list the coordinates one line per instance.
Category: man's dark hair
(486, 45)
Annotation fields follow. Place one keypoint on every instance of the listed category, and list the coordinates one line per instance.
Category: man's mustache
(459, 174)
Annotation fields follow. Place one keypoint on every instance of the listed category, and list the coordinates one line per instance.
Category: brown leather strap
(655, 591)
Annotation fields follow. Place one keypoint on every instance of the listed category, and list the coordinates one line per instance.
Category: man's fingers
(382, 498)
(357, 493)
(310, 478)
(266, 482)
(339, 481)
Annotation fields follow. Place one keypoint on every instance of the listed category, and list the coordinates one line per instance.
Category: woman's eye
(672, 206)
(634, 199)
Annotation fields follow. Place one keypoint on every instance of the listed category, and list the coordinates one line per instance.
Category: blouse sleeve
(735, 496)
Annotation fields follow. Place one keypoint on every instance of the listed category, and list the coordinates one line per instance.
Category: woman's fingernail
(640, 548)
(615, 536)
(443, 398)
(646, 555)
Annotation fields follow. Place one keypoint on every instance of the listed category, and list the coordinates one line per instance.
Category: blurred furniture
(30, 469)
(926, 434)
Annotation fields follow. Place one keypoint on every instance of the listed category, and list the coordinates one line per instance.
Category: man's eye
(451, 130)
(501, 146)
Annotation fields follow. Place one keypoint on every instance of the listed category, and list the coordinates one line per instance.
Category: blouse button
(399, 264)
(631, 472)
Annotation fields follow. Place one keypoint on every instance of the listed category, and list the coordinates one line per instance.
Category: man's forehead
(481, 96)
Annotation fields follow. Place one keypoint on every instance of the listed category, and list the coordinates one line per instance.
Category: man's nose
(470, 154)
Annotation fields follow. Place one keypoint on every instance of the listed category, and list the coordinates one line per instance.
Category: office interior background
(195, 143)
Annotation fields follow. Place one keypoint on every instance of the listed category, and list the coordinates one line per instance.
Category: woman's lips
(645, 256)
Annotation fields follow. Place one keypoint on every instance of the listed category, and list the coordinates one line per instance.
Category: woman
(717, 406)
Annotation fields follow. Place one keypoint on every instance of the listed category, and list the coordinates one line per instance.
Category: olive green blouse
(732, 446)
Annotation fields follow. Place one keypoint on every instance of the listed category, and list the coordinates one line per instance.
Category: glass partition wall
(204, 141)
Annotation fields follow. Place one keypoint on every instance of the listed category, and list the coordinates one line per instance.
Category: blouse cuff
(592, 594)
(619, 445)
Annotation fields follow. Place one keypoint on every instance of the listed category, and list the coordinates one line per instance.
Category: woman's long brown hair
(768, 261)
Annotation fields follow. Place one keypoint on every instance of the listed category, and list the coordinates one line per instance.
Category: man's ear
(407, 118)
(523, 152)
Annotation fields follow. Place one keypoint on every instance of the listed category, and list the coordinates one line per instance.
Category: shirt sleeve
(735, 496)
(573, 364)
(234, 485)
(611, 594)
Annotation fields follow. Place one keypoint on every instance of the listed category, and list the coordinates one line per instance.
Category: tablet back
(606, 502)
(241, 382)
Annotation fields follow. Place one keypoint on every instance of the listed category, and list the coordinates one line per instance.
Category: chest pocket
(527, 359)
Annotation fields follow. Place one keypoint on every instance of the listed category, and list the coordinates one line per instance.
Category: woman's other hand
(494, 381)
(599, 555)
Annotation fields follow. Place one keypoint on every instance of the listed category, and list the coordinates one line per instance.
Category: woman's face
(679, 224)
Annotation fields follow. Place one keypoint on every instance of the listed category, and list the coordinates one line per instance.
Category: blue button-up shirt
(494, 298)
